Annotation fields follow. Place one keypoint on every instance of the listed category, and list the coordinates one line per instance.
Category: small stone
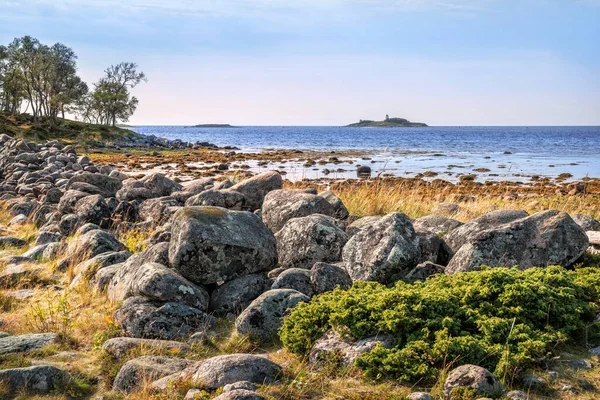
(239, 385)
(581, 364)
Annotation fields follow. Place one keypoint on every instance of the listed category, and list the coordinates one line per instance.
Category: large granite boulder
(212, 244)
(109, 186)
(26, 343)
(142, 318)
(227, 198)
(465, 233)
(93, 209)
(306, 240)
(235, 295)
(382, 251)
(543, 239)
(89, 245)
(296, 279)
(341, 212)
(156, 282)
(160, 185)
(256, 188)
(280, 206)
(586, 222)
(264, 316)
(331, 344)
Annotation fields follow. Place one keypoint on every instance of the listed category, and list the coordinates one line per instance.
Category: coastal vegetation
(42, 80)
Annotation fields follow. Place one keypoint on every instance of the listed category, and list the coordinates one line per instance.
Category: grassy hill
(388, 123)
(23, 126)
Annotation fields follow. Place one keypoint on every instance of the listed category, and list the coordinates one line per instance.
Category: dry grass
(418, 198)
(136, 240)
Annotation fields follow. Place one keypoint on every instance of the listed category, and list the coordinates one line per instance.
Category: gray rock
(341, 212)
(89, 245)
(448, 209)
(475, 377)
(219, 371)
(120, 346)
(160, 185)
(146, 368)
(264, 316)
(466, 232)
(143, 318)
(420, 396)
(13, 273)
(326, 277)
(102, 278)
(108, 185)
(92, 209)
(158, 210)
(230, 244)
(295, 278)
(384, 250)
(68, 224)
(433, 248)
(436, 224)
(198, 185)
(54, 250)
(357, 225)
(69, 199)
(304, 241)
(45, 237)
(245, 385)
(88, 269)
(348, 350)
(18, 220)
(235, 295)
(280, 206)
(517, 395)
(40, 379)
(240, 394)
(582, 364)
(36, 252)
(53, 196)
(423, 271)
(8, 241)
(26, 343)
(229, 199)
(256, 188)
(134, 194)
(156, 282)
(586, 222)
(543, 239)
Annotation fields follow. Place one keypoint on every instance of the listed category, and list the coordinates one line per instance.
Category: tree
(112, 92)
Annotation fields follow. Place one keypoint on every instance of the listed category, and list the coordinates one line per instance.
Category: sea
(497, 153)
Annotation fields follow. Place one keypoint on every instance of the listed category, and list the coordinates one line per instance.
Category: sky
(333, 62)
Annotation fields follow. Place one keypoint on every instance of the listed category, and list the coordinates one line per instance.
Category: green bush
(501, 319)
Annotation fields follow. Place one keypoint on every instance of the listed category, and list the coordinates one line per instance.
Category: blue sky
(332, 62)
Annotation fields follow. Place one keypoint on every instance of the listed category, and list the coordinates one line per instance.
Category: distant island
(388, 123)
(212, 126)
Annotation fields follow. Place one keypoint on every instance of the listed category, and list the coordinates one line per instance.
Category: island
(212, 126)
(388, 123)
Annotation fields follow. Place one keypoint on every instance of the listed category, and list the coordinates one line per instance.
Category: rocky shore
(247, 252)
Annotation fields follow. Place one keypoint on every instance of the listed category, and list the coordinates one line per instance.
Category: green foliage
(501, 319)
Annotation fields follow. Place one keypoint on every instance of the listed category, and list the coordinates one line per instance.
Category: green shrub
(501, 319)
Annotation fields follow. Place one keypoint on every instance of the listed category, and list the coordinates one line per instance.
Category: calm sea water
(449, 151)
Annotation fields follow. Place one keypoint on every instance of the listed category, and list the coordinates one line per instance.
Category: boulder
(420, 396)
(382, 251)
(142, 318)
(235, 295)
(120, 346)
(9, 241)
(134, 373)
(586, 222)
(357, 225)
(326, 277)
(93, 209)
(306, 240)
(216, 372)
(474, 377)
(256, 188)
(296, 279)
(433, 248)
(436, 224)
(280, 206)
(102, 278)
(160, 185)
(39, 379)
(109, 186)
(90, 245)
(89, 268)
(156, 282)
(68, 224)
(465, 233)
(348, 350)
(229, 199)
(45, 237)
(264, 316)
(341, 212)
(543, 239)
(198, 185)
(245, 385)
(212, 244)
(26, 343)
(69, 199)
(240, 394)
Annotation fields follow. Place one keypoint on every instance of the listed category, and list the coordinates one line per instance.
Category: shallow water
(510, 153)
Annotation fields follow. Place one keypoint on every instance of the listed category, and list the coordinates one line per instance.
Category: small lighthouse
(387, 117)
